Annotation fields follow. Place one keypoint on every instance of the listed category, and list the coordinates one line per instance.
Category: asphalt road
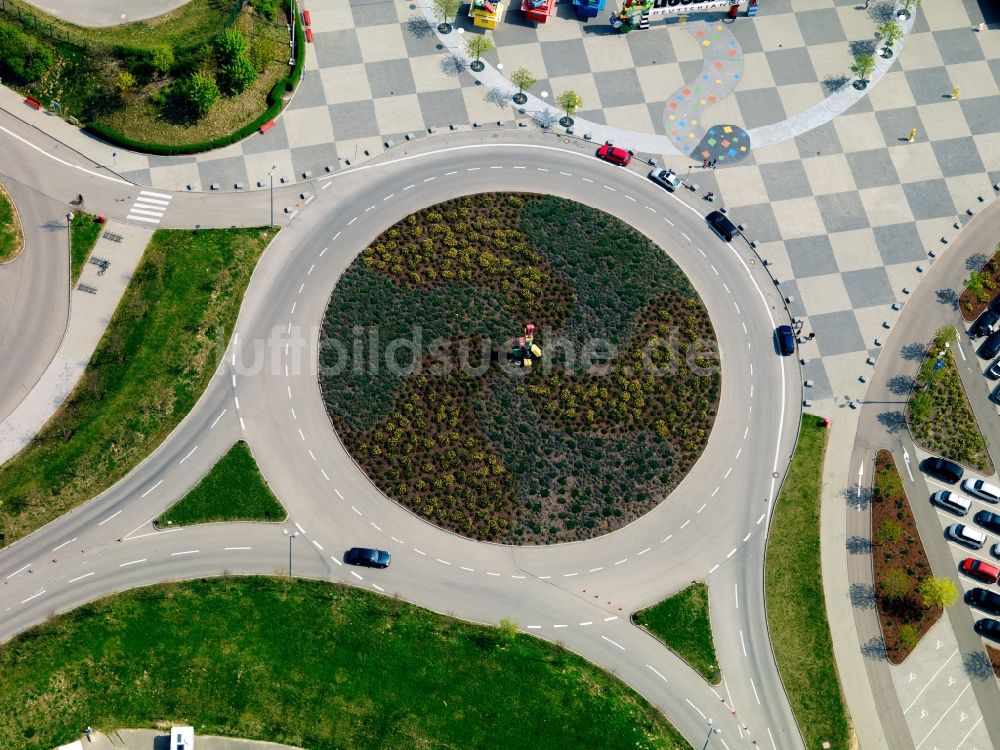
(712, 527)
(933, 304)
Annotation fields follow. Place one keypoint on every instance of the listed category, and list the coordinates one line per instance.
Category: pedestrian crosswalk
(149, 207)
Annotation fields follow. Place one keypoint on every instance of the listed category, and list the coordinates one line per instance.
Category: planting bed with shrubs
(899, 564)
(192, 79)
(577, 445)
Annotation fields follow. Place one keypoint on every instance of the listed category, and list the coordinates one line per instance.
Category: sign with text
(679, 7)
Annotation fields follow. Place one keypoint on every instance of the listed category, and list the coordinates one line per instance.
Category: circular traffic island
(519, 368)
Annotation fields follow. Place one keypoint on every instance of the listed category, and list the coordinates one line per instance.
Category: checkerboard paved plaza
(843, 207)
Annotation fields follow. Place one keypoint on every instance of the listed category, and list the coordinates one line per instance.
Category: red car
(615, 155)
(978, 569)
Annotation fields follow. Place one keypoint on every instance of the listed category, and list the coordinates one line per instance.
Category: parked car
(943, 469)
(995, 551)
(369, 558)
(993, 371)
(665, 178)
(786, 340)
(984, 323)
(958, 504)
(988, 628)
(615, 155)
(981, 571)
(966, 535)
(990, 347)
(721, 224)
(982, 490)
(983, 599)
(989, 521)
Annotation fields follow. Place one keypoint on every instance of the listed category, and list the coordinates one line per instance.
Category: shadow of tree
(418, 27)
(835, 83)
(901, 385)
(976, 665)
(976, 261)
(913, 352)
(882, 12)
(861, 47)
(858, 545)
(545, 118)
(499, 96)
(452, 65)
(857, 497)
(862, 596)
(892, 421)
(874, 649)
(947, 297)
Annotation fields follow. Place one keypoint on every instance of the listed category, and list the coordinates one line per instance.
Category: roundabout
(267, 392)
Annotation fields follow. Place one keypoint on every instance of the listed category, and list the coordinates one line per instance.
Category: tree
(161, 59)
(976, 283)
(507, 628)
(125, 83)
(909, 5)
(237, 75)
(921, 406)
(909, 636)
(569, 102)
(895, 584)
(199, 92)
(864, 66)
(888, 484)
(937, 592)
(229, 44)
(22, 57)
(523, 79)
(446, 8)
(889, 531)
(889, 32)
(478, 45)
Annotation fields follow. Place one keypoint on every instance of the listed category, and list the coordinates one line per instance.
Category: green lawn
(682, 623)
(10, 229)
(796, 609)
(233, 490)
(153, 362)
(83, 236)
(310, 664)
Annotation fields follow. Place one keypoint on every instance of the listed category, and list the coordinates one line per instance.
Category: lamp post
(69, 240)
(270, 176)
(711, 730)
(290, 536)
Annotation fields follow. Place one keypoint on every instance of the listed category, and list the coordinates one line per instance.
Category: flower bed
(577, 445)
(981, 287)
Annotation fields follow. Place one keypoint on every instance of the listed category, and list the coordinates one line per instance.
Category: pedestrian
(704, 163)
(867, 3)
(812, 335)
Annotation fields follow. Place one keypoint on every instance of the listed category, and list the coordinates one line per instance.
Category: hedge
(274, 99)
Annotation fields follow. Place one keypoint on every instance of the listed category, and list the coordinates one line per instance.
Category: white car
(966, 535)
(666, 178)
(982, 490)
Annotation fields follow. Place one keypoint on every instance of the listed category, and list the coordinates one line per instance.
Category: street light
(711, 730)
(290, 538)
(270, 175)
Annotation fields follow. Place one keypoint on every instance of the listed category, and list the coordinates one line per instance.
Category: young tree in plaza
(569, 102)
(446, 9)
(864, 66)
(938, 592)
(523, 79)
(889, 33)
(477, 46)
(895, 584)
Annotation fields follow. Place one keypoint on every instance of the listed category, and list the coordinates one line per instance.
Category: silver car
(965, 535)
(666, 178)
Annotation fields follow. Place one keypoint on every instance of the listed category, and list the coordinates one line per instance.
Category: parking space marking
(930, 680)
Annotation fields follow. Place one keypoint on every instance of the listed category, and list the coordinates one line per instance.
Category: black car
(721, 224)
(989, 521)
(988, 628)
(984, 323)
(943, 469)
(983, 599)
(990, 347)
(786, 340)
(370, 558)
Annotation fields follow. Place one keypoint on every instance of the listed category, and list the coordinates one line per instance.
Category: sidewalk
(149, 739)
(90, 313)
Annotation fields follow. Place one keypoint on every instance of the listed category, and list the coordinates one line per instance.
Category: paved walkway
(148, 739)
(90, 313)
